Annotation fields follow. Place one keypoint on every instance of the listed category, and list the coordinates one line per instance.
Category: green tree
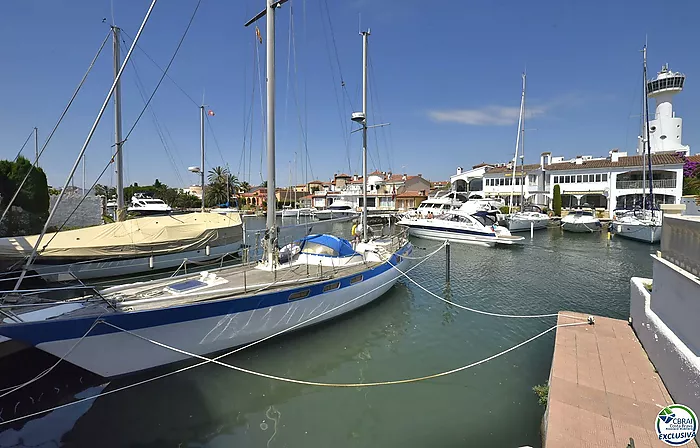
(244, 187)
(33, 198)
(556, 200)
(263, 184)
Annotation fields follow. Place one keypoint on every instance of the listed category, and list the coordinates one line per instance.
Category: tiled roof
(695, 158)
(376, 173)
(398, 178)
(518, 170)
(342, 175)
(482, 164)
(629, 161)
(411, 194)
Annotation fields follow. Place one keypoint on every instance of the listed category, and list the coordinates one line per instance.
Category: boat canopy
(328, 245)
(131, 238)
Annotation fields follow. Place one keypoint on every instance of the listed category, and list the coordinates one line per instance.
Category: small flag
(257, 33)
(211, 113)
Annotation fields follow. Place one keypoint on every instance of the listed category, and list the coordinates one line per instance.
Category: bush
(542, 392)
(505, 209)
(556, 200)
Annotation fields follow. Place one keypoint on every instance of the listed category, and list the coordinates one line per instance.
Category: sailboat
(132, 327)
(124, 247)
(643, 224)
(532, 217)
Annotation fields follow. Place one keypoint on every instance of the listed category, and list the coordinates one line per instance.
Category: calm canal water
(407, 333)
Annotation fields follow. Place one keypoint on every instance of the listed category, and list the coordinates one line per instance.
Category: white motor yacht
(640, 225)
(144, 204)
(478, 228)
(581, 221)
(338, 209)
(530, 218)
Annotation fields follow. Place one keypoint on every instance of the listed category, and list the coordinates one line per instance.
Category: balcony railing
(639, 184)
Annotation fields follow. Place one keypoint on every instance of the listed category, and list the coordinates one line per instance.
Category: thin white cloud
(486, 116)
(502, 115)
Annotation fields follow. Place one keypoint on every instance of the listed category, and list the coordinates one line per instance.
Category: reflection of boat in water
(209, 401)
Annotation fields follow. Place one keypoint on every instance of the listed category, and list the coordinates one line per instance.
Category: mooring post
(532, 229)
(447, 260)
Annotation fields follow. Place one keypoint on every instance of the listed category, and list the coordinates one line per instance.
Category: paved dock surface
(603, 388)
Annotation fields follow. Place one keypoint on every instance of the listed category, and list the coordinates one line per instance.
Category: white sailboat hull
(581, 226)
(121, 353)
(645, 232)
(117, 267)
(523, 225)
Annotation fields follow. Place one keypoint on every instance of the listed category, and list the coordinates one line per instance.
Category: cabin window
(331, 286)
(304, 293)
(356, 279)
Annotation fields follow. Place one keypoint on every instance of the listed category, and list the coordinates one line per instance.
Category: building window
(585, 178)
(502, 182)
(597, 177)
(578, 178)
(605, 177)
(567, 179)
(556, 179)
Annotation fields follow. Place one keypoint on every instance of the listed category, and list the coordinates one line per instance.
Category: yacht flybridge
(144, 204)
(136, 326)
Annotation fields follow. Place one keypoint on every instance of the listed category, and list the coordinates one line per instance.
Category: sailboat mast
(271, 198)
(201, 149)
(522, 149)
(517, 142)
(121, 208)
(365, 38)
(646, 126)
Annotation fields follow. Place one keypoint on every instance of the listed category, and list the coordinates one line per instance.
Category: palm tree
(218, 175)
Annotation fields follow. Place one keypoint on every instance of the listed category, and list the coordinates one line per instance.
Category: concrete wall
(89, 213)
(676, 363)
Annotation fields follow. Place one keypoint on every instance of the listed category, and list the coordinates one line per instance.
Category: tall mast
(517, 142)
(522, 149)
(201, 148)
(646, 127)
(365, 38)
(271, 198)
(121, 209)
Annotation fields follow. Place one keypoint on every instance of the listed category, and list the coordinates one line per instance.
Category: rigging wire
(156, 123)
(24, 144)
(372, 101)
(189, 97)
(344, 123)
(216, 141)
(263, 134)
(60, 120)
(165, 72)
(374, 92)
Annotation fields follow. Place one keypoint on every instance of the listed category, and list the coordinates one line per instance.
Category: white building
(606, 183)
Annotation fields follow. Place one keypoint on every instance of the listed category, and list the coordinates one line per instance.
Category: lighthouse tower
(665, 129)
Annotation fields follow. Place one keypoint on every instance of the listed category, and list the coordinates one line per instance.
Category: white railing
(639, 184)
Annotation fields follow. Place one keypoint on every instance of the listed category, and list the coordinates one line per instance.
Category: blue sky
(445, 74)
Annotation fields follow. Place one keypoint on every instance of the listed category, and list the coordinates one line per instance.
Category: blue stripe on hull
(35, 333)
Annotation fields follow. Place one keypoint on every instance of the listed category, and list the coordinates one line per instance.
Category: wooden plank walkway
(603, 388)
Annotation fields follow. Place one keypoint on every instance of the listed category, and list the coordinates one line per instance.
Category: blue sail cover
(323, 244)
